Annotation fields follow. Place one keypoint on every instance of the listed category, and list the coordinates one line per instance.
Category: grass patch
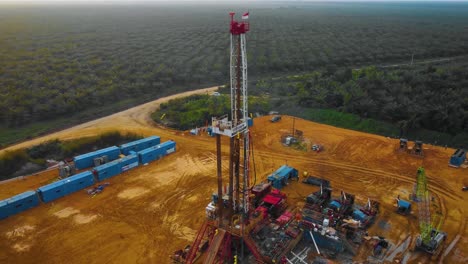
(351, 121)
(354, 122)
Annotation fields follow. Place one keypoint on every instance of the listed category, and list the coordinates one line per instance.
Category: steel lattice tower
(235, 126)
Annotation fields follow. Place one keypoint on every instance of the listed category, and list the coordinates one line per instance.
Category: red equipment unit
(238, 28)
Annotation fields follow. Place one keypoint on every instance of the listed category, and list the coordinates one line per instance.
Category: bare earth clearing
(147, 213)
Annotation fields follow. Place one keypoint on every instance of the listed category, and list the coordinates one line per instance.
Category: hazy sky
(214, 1)
(175, 2)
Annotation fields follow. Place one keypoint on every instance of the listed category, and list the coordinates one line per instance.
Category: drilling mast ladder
(231, 217)
(235, 126)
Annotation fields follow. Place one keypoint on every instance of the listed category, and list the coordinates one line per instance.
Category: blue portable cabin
(18, 204)
(287, 172)
(458, 158)
(335, 205)
(116, 167)
(359, 215)
(280, 177)
(156, 152)
(87, 160)
(129, 162)
(79, 181)
(276, 181)
(140, 144)
(403, 207)
(52, 191)
(107, 170)
(66, 186)
(4, 209)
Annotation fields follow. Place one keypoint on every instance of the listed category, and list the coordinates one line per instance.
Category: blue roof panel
(139, 141)
(97, 152)
(80, 175)
(403, 203)
(19, 197)
(336, 204)
(359, 215)
(51, 185)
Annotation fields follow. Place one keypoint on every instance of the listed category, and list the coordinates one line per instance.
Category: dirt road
(136, 119)
(147, 213)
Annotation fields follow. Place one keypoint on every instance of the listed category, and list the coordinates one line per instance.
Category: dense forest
(428, 102)
(60, 62)
(197, 110)
(415, 99)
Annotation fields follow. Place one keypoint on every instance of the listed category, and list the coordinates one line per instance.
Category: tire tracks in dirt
(433, 185)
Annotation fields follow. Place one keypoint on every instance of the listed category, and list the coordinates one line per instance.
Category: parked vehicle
(275, 118)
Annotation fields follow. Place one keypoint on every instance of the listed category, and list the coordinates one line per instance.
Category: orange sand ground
(149, 212)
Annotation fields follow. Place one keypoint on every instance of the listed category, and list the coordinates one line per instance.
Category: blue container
(280, 177)
(66, 186)
(4, 210)
(116, 167)
(458, 158)
(107, 170)
(335, 204)
(87, 160)
(404, 204)
(18, 204)
(129, 162)
(359, 215)
(52, 191)
(79, 181)
(287, 172)
(140, 144)
(157, 152)
(249, 122)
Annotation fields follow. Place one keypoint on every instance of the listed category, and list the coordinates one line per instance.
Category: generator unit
(418, 148)
(403, 144)
(66, 170)
(100, 160)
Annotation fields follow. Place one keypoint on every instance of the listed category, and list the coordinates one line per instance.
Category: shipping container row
(140, 144)
(112, 153)
(58, 189)
(87, 160)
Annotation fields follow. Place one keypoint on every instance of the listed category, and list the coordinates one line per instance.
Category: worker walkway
(214, 246)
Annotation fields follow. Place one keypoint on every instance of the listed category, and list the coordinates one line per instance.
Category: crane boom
(424, 213)
(430, 239)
